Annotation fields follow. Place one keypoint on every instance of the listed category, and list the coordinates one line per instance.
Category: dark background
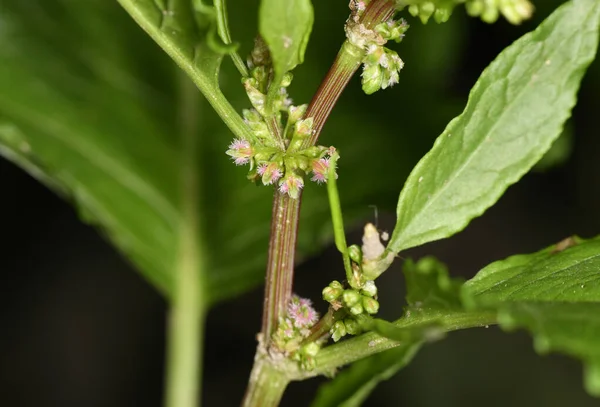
(80, 327)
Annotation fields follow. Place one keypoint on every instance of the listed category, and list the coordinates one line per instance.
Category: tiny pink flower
(319, 169)
(240, 151)
(291, 185)
(301, 312)
(270, 173)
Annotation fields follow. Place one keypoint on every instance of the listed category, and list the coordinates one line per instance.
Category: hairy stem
(344, 67)
(280, 266)
(185, 331)
(267, 382)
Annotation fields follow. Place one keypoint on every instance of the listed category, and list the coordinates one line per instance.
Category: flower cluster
(381, 65)
(425, 10)
(280, 160)
(359, 297)
(294, 328)
(515, 11)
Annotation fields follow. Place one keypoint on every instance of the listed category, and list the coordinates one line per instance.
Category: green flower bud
(423, 11)
(257, 98)
(287, 80)
(296, 113)
(304, 127)
(370, 305)
(369, 289)
(261, 74)
(351, 297)
(355, 253)
(372, 77)
(515, 11)
(311, 349)
(356, 309)
(336, 284)
(490, 15)
(352, 326)
(475, 8)
(442, 14)
(338, 330)
(331, 294)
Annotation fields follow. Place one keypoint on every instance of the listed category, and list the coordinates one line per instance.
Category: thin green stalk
(204, 80)
(187, 313)
(337, 219)
(223, 30)
(345, 352)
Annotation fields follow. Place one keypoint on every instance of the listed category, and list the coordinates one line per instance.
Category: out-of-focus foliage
(90, 106)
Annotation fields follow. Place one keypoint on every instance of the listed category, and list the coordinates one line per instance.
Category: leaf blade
(475, 159)
(286, 27)
(352, 387)
(554, 294)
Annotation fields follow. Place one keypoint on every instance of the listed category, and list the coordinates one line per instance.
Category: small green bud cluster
(440, 12)
(294, 328)
(277, 159)
(381, 65)
(359, 298)
(357, 302)
(515, 11)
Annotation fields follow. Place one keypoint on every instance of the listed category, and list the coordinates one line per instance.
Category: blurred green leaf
(91, 107)
(429, 286)
(354, 385)
(554, 294)
(285, 26)
(515, 111)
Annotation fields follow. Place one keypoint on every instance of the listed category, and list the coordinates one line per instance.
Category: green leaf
(515, 111)
(554, 294)
(171, 24)
(81, 112)
(285, 26)
(429, 286)
(353, 386)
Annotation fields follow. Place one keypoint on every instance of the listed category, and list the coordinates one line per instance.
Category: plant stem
(280, 266)
(322, 327)
(332, 357)
(345, 65)
(267, 383)
(185, 328)
(223, 29)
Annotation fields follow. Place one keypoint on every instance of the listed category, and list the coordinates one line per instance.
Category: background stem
(187, 313)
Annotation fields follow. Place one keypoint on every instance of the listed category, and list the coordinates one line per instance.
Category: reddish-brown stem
(345, 65)
(267, 383)
(280, 266)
